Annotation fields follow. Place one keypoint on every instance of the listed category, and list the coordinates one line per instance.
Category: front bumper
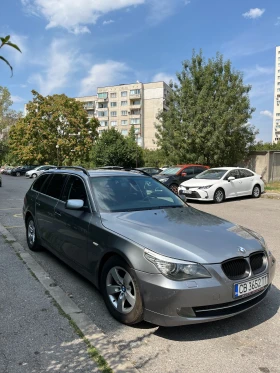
(195, 193)
(174, 303)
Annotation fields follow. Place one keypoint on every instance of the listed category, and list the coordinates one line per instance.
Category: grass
(273, 187)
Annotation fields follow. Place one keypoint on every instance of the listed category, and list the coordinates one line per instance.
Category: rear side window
(245, 173)
(39, 183)
(234, 173)
(55, 186)
(75, 189)
(198, 170)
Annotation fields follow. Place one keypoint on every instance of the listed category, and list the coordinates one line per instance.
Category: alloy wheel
(121, 290)
(31, 233)
(256, 191)
(219, 196)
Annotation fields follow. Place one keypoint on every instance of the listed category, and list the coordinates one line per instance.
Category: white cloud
(267, 113)
(104, 74)
(258, 71)
(108, 22)
(254, 13)
(17, 99)
(277, 22)
(75, 15)
(160, 10)
(163, 77)
(60, 61)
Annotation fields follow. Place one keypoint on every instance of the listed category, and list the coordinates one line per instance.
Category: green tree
(154, 158)
(209, 110)
(265, 146)
(113, 149)
(5, 41)
(55, 130)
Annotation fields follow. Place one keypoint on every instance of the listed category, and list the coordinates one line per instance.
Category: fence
(265, 163)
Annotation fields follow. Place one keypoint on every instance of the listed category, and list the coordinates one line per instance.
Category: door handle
(38, 204)
(57, 213)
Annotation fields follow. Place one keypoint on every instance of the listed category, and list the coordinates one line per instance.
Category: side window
(245, 173)
(39, 183)
(75, 189)
(198, 170)
(55, 186)
(188, 170)
(234, 173)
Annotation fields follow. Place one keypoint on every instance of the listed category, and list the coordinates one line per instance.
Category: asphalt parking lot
(246, 343)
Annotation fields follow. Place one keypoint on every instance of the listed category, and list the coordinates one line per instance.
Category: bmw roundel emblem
(242, 250)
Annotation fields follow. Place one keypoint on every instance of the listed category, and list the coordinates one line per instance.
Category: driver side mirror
(231, 178)
(74, 204)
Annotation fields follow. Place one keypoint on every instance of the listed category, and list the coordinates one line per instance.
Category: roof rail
(74, 168)
(124, 169)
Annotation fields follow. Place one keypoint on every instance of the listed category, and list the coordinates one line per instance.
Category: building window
(100, 131)
(124, 132)
(124, 122)
(90, 113)
(113, 113)
(278, 89)
(136, 102)
(89, 104)
(278, 103)
(135, 121)
(103, 123)
(278, 64)
(113, 104)
(113, 95)
(124, 112)
(102, 105)
(278, 83)
(137, 131)
(102, 113)
(113, 123)
(102, 95)
(135, 112)
(278, 114)
(134, 92)
(123, 103)
(124, 93)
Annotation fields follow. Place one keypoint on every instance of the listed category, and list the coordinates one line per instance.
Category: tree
(5, 41)
(113, 149)
(265, 146)
(55, 130)
(154, 158)
(209, 110)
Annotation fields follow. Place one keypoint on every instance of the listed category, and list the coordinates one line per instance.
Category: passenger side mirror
(184, 174)
(231, 178)
(74, 204)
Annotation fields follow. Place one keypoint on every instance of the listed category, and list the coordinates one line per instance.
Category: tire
(34, 176)
(256, 192)
(17, 173)
(0, 184)
(31, 237)
(118, 292)
(219, 195)
(174, 188)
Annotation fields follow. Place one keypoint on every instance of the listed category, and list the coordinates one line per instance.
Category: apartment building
(276, 114)
(124, 105)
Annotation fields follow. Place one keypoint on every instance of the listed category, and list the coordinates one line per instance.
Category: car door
(232, 188)
(73, 225)
(186, 174)
(44, 209)
(247, 179)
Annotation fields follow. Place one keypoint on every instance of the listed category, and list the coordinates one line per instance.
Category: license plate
(187, 192)
(250, 287)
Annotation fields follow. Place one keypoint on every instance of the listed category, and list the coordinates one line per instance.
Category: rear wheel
(174, 188)
(219, 195)
(121, 292)
(34, 176)
(17, 173)
(256, 193)
(31, 235)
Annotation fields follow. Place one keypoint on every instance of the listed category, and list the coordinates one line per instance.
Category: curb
(96, 337)
(271, 195)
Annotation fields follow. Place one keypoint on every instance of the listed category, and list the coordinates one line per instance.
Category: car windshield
(213, 174)
(171, 171)
(132, 193)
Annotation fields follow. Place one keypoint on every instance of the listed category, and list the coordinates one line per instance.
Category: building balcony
(135, 107)
(103, 99)
(135, 97)
(89, 107)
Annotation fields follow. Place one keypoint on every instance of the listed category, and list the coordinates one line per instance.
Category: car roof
(96, 172)
(189, 165)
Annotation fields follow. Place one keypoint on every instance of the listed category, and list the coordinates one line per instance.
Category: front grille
(258, 263)
(231, 307)
(236, 269)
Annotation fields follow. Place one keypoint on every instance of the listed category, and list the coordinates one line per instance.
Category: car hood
(183, 233)
(199, 182)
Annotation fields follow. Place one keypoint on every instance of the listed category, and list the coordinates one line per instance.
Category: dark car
(153, 257)
(21, 170)
(150, 170)
(172, 177)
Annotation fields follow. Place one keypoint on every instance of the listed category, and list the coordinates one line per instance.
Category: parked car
(150, 170)
(152, 256)
(218, 184)
(21, 170)
(172, 177)
(8, 170)
(38, 171)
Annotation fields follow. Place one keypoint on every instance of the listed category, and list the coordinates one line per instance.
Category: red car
(172, 177)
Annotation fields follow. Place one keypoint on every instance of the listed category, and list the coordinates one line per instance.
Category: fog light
(185, 312)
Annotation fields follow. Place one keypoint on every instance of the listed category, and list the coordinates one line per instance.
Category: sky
(75, 46)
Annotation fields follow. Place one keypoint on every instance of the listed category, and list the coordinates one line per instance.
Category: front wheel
(31, 235)
(219, 195)
(121, 292)
(256, 193)
(17, 173)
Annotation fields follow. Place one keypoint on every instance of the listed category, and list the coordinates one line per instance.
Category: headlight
(163, 180)
(205, 187)
(176, 270)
